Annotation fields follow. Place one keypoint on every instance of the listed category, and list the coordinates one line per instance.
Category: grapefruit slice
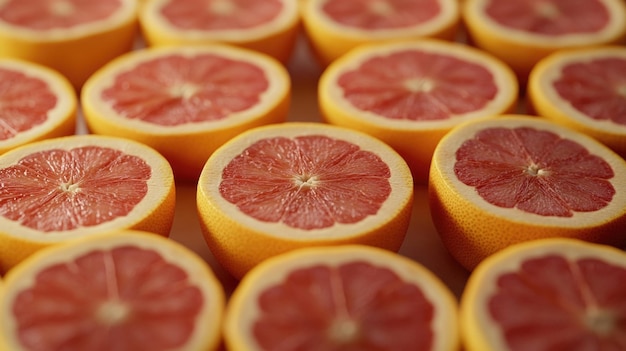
(64, 188)
(500, 181)
(341, 298)
(267, 26)
(584, 89)
(186, 101)
(333, 27)
(125, 290)
(523, 32)
(409, 94)
(74, 37)
(549, 294)
(285, 186)
(35, 103)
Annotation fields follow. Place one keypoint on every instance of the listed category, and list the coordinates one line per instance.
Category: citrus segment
(63, 188)
(35, 103)
(341, 298)
(71, 36)
(584, 89)
(523, 32)
(291, 185)
(267, 26)
(410, 94)
(505, 180)
(547, 293)
(333, 27)
(186, 101)
(126, 290)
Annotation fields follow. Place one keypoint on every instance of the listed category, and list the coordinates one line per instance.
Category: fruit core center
(343, 331)
(546, 9)
(417, 85)
(600, 322)
(184, 91)
(306, 181)
(62, 8)
(69, 187)
(381, 8)
(222, 7)
(112, 312)
(535, 171)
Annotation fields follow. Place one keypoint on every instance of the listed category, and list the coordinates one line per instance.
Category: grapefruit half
(500, 181)
(186, 101)
(74, 37)
(125, 290)
(64, 188)
(35, 103)
(290, 185)
(548, 294)
(584, 89)
(411, 93)
(341, 298)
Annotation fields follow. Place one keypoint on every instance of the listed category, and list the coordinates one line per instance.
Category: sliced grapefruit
(281, 187)
(186, 101)
(333, 27)
(341, 298)
(64, 188)
(126, 290)
(411, 93)
(268, 26)
(35, 103)
(74, 37)
(549, 294)
(584, 89)
(501, 181)
(523, 32)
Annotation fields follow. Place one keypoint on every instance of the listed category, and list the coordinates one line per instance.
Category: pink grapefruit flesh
(127, 298)
(381, 14)
(307, 182)
(47, 15)
(534, 171)
(57, 190)
(550, 17)
(220, 14)
(418, 85)
(353, 306)
(24, 102)
(175, 89)
(567, 304)
(596, 88)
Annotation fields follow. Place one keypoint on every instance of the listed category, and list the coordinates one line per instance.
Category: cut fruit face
(300, 184)
(548, 292)
(510, 179)
(341, 298)
(76, 186)
(125, 290)
(36, 103)
(186, 101)
(584, 89)
(409, 94)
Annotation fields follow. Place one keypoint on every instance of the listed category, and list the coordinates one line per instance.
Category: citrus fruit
(64, 188)
(411, 93)
(508, 179)
(548, 294)
(350, 297)
(333, 27)
(35, 103)
(124, 290)
(268, 26)
(584, 89)
(74, 37)
(186, 101)
(523, 32)
(285, 186)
